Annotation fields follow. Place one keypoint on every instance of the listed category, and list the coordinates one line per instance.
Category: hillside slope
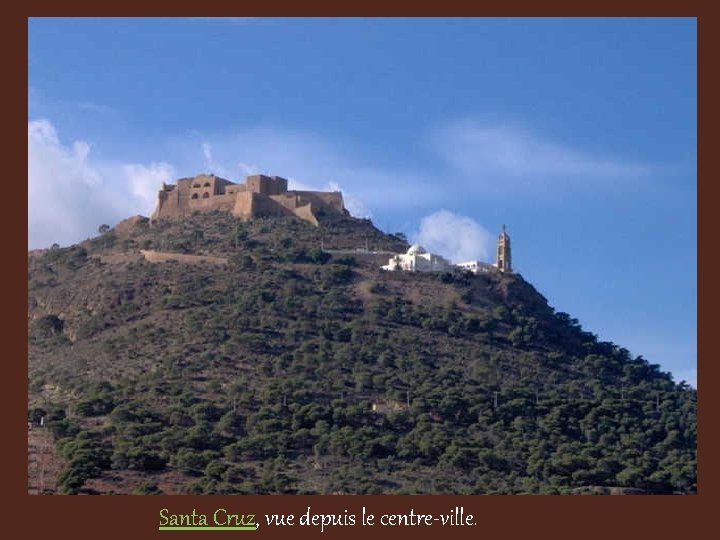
(288, 370)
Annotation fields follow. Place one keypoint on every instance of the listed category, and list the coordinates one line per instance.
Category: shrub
(148, 488)
(49, 325)
(190, 461)
(336, 274)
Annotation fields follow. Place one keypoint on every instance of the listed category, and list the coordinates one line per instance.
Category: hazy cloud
(510, 152)
(211, 165)
(247, 169)
(311, 161)
(207, 152)
(91, 106)
(41, 105)
(144, 182)
(458, 238)
(484, 157)
(352, 203)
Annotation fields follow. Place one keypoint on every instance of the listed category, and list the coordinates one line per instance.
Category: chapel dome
(416, 249)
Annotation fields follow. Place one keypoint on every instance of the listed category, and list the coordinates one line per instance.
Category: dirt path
(160, 256)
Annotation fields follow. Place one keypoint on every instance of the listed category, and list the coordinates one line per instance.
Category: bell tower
(504, 259)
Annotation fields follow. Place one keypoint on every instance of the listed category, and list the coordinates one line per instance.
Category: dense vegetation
(292, 371)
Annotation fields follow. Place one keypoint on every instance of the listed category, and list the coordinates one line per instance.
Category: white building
(418, 260)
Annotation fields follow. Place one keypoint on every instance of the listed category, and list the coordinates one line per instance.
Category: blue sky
(579, 134)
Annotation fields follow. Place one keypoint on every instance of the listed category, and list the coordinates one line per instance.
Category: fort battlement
(259, 196)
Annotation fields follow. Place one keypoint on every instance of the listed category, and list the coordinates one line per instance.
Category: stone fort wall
(260, 196)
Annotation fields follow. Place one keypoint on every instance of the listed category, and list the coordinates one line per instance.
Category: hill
(264, 364)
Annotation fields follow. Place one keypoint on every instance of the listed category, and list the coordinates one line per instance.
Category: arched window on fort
(196, 185)
(206, 184)
(194, 195)
(206, 195)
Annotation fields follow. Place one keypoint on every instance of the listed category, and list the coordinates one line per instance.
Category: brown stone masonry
(259, 196)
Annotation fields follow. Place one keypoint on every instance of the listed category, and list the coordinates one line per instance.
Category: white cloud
(207, 152)
(145, 181)
(211, 165)
(510, 152)
(65, 196)
(70, 194)
(459, 238)
(353, 204)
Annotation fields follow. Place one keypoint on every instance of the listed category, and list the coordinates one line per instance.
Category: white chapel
(417, 259)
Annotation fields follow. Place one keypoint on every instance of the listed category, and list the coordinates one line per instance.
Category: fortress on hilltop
(266, 196)
(259, 196)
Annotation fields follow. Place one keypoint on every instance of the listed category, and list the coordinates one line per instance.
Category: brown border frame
(498, 517)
